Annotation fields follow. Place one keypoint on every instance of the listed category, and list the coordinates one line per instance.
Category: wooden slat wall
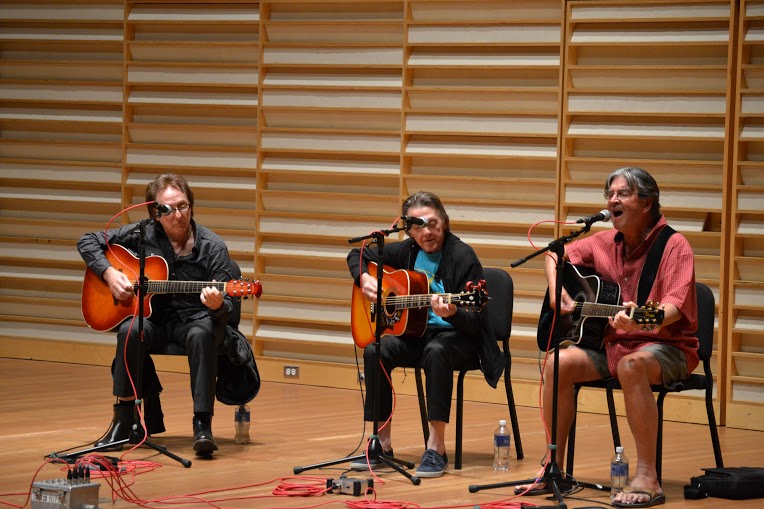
(191, 107)
(648, 86)
(60, 155)
(745, 308)
(301, 124)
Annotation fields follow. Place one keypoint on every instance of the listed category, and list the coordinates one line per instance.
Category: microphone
(604, 215)
(412, 220)
(162, 210)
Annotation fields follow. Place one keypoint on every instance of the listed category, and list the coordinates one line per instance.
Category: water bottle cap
(502, 422)
(619, 449)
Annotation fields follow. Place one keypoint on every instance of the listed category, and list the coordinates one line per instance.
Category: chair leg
(613, 418)
(512, 409)
(712, 423)
(459, 419)
(659, 445)
(422, 405)
(572, 433)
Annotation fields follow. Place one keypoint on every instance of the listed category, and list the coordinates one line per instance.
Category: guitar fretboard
(594, 309)
(182, 286)
(420, 301)
(424, 300)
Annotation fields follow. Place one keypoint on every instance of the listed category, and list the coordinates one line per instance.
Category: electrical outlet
(291, 372)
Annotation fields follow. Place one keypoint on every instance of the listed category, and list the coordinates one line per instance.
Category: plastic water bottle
(241, 423)
(619, 472)
(501, 447)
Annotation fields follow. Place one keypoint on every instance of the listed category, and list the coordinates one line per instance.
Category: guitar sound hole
(390, 304)
(576, 314)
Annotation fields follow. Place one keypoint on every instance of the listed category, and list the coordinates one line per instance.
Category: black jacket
(458, 265)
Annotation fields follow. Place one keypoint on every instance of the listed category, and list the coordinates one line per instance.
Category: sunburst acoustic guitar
(102, 312)
(405, 303)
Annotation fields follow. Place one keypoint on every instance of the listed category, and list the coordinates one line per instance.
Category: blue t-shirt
(428, 264)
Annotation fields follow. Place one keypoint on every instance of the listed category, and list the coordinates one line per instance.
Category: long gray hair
(427, 199)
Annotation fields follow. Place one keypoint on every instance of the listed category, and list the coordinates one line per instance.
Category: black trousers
(439, 352)
(200, 341)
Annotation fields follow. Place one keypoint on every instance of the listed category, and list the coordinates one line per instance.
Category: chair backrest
(499, 308)
(706, 312)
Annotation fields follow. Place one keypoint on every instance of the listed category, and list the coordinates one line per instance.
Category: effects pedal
(65, 494)
(350, 486)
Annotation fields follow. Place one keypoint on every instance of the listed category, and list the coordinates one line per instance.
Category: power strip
(350, 486)
(65, 494)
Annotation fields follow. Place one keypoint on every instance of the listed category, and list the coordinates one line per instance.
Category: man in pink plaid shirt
(635, 356)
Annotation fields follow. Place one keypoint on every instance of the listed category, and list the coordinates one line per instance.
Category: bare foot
(538, 488)
(640, 490)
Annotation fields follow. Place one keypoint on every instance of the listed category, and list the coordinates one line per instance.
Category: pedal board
(350, 486)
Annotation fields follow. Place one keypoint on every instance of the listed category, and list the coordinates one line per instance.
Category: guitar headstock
(474, 298)
(242, 288)
(650, 316)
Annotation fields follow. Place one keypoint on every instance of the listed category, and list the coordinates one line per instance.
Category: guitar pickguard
(390, 318)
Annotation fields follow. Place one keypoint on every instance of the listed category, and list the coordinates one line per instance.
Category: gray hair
(641, 182)
(427, 199)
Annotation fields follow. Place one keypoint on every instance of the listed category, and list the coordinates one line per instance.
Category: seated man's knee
(631, 367)
(126, 328)
(369, 353)
(434, 350)
(200, 338)
(571, 361)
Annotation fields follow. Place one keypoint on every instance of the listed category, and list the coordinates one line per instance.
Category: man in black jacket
(197, 321)
(453, 337)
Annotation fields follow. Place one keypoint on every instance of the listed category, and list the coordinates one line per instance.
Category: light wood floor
(47, 407)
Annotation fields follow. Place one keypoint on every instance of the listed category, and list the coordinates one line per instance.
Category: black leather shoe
(121, 426)
(204, 442)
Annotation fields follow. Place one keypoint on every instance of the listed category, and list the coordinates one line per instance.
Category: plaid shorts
(672, 360)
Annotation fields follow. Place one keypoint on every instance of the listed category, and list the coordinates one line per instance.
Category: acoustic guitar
(405, 304)
(102, 312)
(596, 300)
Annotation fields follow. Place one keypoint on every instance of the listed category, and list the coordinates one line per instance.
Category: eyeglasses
(180, 208)
(622, 194)
(432, 224)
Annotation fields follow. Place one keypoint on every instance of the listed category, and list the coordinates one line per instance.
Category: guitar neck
(420, 301)
(594, 309)
(182, 286)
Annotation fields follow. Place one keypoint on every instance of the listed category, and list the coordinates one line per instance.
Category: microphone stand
(375, 449)
(552, 475)
(137, 433)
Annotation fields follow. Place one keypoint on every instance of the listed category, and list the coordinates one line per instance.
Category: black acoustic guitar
(596, 300)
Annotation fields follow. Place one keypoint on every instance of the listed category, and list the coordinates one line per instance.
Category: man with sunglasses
(453, 337)
(194, 321)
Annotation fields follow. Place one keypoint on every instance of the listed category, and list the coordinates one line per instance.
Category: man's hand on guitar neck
(119, 284)
(441, 308)
(211, 297)
(622, 320)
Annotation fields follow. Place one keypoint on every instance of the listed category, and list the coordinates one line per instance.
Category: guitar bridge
(388, 321)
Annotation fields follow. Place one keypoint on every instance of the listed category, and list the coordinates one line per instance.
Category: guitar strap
(652, 263)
